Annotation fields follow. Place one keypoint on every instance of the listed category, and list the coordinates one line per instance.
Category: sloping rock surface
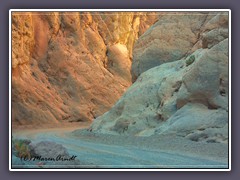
(180, 69)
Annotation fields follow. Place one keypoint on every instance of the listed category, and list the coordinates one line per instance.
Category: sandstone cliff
(180, 69)
(71, 66)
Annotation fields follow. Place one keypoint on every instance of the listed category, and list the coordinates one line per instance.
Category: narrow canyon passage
(141, 89)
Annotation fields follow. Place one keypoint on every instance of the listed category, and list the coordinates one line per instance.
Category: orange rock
(61, 64)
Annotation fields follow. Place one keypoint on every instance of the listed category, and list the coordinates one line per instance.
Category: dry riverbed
(119, 151)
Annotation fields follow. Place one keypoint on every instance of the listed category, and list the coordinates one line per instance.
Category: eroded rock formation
(71, 66)
(180, 69)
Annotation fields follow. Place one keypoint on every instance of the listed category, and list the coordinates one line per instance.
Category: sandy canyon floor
(118, 151)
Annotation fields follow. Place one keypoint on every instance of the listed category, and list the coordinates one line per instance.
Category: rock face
(181, 69)
(71, 66)
(169, 39)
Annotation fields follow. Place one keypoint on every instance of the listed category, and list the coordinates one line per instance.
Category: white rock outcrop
(181, 66)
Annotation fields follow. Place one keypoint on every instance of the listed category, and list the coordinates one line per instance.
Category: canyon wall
(180, 69)
(71, 66)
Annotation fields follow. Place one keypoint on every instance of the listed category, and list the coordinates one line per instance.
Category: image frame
(116, 169)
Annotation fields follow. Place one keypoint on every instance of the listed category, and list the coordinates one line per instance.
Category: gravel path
(108, 151)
